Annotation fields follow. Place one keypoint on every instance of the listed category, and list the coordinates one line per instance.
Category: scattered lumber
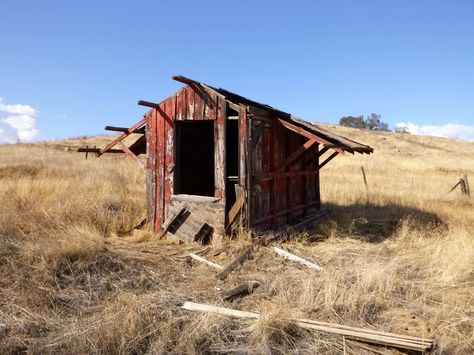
(240, 291)
(234, 264)
(202, 260)
(297, 259)
(359, 334)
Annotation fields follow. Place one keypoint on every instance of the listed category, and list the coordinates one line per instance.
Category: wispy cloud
(449, 130)
(17, 123)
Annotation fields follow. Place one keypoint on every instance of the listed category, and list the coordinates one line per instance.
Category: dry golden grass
(398, 256)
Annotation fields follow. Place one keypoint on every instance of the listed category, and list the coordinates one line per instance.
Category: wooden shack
(216, 160)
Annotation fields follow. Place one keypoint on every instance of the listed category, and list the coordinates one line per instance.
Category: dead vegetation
(396, 257)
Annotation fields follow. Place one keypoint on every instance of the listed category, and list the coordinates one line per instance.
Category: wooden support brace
(123, 136)
(307, 134)
(130, 154)
(328, 159)
(122, 129)
(97, 150)
(295, 155)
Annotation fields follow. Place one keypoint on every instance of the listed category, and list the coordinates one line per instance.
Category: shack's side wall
(186, 104)
(285, 195)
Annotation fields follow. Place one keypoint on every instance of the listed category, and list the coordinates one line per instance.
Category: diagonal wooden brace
(123, 136)
(328, 159)
(130, 154)
(295, 155)
(197, 86)
(309, 135)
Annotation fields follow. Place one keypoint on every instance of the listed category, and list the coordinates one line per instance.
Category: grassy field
(397, 256)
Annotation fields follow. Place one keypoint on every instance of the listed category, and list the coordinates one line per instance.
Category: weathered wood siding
(284, 195)
(187, 104)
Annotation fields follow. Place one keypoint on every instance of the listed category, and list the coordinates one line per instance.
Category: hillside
(397, 257)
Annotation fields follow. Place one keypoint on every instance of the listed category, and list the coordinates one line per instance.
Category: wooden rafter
(198, 88)
(130, 153)
(328, 159)
(123, 136)
(309, 135)
(295, 155)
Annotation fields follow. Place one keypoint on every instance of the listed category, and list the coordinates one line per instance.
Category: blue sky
(68, 68)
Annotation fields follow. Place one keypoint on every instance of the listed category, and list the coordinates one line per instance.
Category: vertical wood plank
(219, 149)
(170, 110)
(160, 143)
(274, 199)
(316, 177)
(151, 168)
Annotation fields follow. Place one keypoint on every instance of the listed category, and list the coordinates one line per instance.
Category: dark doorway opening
(232, 161)
(194, 171)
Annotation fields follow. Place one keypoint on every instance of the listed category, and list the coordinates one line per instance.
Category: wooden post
(466, 186)
(365, 178)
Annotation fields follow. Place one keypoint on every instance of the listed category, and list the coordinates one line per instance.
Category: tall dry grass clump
(397, 256)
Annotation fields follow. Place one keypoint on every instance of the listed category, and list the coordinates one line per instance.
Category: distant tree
(352, 121)
(374, 123)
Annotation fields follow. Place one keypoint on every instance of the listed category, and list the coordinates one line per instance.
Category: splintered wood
(234, 264)
(202, 260)
(399, 341)
(297, 259)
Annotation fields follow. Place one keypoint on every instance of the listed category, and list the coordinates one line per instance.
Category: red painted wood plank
(170, 110)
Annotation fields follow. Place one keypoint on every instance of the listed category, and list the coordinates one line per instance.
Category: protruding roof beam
(328, 159)
(123, 129)
(308, 134)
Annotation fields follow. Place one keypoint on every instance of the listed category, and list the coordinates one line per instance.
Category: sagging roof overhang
(328, 139)
(314, 133)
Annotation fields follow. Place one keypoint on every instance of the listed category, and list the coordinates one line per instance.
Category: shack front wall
(188, 104)
(284, 195)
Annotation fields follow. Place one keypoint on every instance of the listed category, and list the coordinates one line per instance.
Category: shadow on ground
(373, 223)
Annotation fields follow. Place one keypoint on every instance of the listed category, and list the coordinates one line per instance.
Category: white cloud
(17, 123)
(449, 130)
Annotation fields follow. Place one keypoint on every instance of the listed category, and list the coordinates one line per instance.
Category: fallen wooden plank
(239, 202)
(234, 264)
(202, 260)
(240, 291)
(297, 259)
(359, 334)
